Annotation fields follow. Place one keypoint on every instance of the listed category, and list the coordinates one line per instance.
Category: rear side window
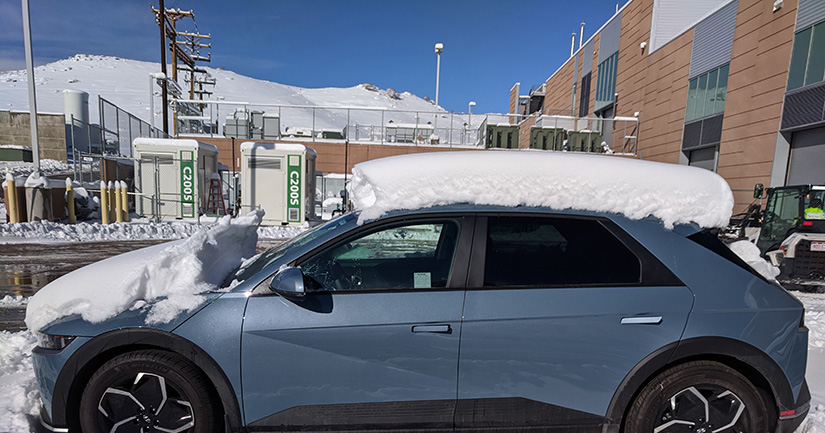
(538, 251)
(709, 239)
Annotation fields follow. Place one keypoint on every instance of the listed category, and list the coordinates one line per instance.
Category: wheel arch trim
(722, 349)
(89, 357)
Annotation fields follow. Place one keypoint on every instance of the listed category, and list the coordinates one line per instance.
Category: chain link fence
(120, 128)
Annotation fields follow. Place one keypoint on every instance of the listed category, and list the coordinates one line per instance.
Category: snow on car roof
(675, 194)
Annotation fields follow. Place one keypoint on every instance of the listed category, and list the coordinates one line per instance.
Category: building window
(707, 93)
(584, 99)
(807, 62)
(606, 82)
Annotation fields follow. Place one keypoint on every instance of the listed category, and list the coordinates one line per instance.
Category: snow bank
(45, 231)
(47, 167)
(673, 193)
(165, 279)
(18, 390)
(749, 252)
(13, 301)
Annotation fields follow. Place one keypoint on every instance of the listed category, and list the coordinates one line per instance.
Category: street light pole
(27, 42)
(439, 48)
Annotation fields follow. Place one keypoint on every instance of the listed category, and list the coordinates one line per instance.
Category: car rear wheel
(698, 397)
(147, 391)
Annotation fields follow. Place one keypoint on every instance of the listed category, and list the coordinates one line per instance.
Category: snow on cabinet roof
(174, 142)
(286, 147)
(675, 194)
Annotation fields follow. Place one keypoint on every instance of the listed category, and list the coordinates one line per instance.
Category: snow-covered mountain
(125, 83)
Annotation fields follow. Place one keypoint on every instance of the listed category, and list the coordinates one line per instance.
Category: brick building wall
(51, 131)
(753, 110)
(656, 86)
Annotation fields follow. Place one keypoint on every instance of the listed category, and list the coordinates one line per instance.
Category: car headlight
(54, 342)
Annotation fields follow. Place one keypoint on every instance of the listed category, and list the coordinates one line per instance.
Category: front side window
(406, 256)
(540, 251)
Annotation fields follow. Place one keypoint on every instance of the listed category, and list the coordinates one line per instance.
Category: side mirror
(758, 190)
(288, 282)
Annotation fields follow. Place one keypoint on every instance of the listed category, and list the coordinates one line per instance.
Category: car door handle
(433, 329)
(643, 320)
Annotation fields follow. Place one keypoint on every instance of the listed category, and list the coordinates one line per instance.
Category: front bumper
(789, 423)
(45, 425)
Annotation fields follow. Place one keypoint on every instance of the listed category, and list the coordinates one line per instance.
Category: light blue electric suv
(455, 318)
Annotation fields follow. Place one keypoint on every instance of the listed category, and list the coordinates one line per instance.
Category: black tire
(674, 396)
(127, 391)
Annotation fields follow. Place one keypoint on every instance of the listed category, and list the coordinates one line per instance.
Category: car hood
(60, 302)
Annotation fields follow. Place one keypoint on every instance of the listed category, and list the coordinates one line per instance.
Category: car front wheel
(699, 396)
(147, 391)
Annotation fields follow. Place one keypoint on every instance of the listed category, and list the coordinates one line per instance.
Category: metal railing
(244, 120)
(316, 123)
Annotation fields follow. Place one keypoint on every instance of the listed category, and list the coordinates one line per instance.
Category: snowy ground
(141, 230)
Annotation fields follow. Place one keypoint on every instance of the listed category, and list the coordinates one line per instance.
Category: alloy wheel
(143, 403)
(706, 409)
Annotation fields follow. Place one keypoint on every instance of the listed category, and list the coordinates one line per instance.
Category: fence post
(157, 188)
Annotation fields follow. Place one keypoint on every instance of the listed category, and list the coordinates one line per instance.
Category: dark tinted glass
(533, 251)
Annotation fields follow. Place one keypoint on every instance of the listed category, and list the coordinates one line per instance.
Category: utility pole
(161, 19)
(167, 19)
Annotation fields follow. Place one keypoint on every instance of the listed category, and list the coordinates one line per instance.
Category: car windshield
(261, 260)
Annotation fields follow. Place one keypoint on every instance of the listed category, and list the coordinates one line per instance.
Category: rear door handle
(433, 329)
(643, 320)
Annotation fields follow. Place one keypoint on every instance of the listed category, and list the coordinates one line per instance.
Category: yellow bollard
(124, 191)
(104, 203)
(70, 200)
(111, 201)
(11, 193)
(118, 203)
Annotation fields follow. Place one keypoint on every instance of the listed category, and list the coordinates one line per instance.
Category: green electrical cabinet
(584, 141)
(502, 136)
(15, 153)
(547, 138)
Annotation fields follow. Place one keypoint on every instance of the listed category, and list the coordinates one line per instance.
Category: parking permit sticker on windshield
(422, 280)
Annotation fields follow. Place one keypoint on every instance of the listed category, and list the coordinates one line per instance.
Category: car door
(374, 342)
(558, 311)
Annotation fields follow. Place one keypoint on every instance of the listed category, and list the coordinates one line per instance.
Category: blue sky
(488, 45)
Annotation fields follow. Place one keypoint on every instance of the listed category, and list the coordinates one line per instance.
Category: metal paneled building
(733, 86)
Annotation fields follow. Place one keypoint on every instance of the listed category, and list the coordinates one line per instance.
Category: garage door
(807, 164)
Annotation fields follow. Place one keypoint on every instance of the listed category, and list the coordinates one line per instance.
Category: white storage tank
(172, 176)
(280, 179)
